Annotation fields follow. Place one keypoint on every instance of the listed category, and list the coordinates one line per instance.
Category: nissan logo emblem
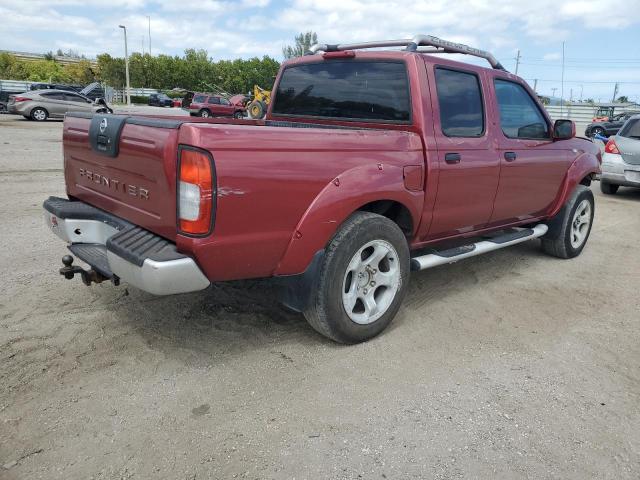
(103, 125)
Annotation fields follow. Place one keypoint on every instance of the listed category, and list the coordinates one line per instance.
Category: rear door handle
(510, 156)
(452, 158)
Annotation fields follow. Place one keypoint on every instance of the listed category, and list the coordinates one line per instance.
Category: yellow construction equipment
(258, 102)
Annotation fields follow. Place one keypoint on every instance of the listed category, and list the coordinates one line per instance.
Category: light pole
(149, 18)
(126, 62)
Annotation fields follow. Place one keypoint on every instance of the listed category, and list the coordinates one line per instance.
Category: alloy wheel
(580, 224)
(371, 282)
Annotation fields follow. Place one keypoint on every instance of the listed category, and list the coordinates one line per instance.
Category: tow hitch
(88, 276)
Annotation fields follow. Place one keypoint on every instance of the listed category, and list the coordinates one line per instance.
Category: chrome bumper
(177, 275)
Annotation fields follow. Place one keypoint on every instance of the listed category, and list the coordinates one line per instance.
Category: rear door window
(460, 101)
(353, 90)
(520, 116)
(53, 95)
(214, 100)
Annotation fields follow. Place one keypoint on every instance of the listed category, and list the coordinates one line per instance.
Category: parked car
(621, 159)
(368, 165)
(160, 100)
(55, 86)
(611, 127)
(42, 104)
(204, 105)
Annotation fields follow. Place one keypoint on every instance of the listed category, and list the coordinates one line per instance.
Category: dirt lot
(511, 365)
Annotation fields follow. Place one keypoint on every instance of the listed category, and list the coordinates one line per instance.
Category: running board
(458, 253)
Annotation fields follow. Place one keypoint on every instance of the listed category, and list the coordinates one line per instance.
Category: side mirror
(564, 129)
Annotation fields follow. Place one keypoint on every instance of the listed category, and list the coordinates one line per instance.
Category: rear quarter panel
(270, 179)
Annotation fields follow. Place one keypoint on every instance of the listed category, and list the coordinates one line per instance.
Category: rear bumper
(118, 248)
(615, 170)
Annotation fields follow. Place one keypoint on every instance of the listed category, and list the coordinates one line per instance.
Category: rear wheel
(608, 188)
(204, 113)
(569, 230)
(39, 114)
(238, 114)
(362, 280)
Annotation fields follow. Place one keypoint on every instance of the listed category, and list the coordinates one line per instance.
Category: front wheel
(597, 131)
(569, 230)
(608, 188)
(362, 280)
(256, 109)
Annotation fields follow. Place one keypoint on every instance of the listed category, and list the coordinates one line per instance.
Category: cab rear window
(370, 91)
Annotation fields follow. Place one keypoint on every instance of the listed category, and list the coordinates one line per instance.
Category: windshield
(631, 129)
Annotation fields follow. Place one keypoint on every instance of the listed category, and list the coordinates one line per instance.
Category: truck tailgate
(135, 177)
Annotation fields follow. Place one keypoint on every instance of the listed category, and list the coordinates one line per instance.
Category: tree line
(195, 70)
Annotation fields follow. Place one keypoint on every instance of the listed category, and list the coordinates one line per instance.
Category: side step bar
(495, 243)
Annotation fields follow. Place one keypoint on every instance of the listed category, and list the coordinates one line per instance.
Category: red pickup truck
(368, 165)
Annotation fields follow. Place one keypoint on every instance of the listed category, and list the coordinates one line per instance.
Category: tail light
(20, 99)
(611, 147)
(196, 191)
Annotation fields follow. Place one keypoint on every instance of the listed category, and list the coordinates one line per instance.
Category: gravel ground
(511, 365)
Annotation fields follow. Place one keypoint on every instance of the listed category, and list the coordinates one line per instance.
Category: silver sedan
(42, 104)
(621, 159)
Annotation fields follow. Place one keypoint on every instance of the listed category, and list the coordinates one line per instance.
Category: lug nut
(365, 291)
(373, 284)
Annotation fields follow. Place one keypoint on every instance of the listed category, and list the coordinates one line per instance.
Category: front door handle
(452, 158)
(510, 156)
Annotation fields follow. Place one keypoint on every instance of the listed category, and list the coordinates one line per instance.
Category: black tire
(39, 114)
(557, 241)
(238, 115)
(598, 131)
(204, 113)
(326, 312)
(608, 188)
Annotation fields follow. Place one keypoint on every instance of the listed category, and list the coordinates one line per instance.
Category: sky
(602, 39)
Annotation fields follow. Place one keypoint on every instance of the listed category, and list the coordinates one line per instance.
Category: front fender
(336, 201)
(587, 163)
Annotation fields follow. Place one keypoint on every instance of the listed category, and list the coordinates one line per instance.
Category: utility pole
(615, 92)
(535, 85)
(149, 18)
(571, 95)
(142, 45)
(581, 90)
(126, 63)
(517, 61)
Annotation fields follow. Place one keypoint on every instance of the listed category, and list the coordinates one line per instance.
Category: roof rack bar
(415, 44)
